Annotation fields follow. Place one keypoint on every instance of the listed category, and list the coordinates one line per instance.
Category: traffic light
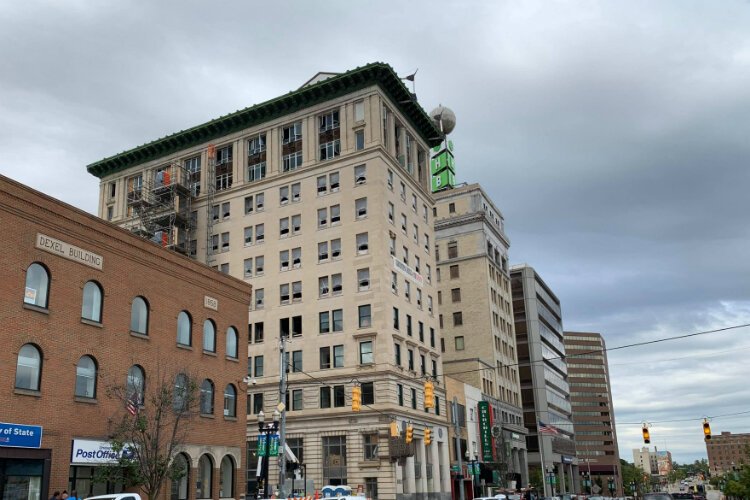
(429, 395)
(646, 435)
(706, 430)
(356, 398)
(394, 430)
(409, 433)
(427, 436)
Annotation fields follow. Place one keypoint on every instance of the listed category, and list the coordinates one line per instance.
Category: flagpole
(541, 457)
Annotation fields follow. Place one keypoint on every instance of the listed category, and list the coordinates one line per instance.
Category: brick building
(86, 306)
(728, 452)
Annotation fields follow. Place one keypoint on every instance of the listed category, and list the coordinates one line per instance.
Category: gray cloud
(612, 135)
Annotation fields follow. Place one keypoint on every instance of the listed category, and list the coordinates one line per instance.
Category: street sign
(454, 468)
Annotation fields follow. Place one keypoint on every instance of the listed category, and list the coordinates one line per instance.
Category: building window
(453, 250)
(338, 356)
(365, 353)
(456, 295)
(296, 361)
(368, 393)
(432, 337)
(231, 342)
(359, 140)
(291, 149)
(258, 366)
(135, 384)
(400, 395)
(207, 397)
(362, 243)
(414, 399)
(459, 343)
(359, 111)
(325, 397)
(325, 358)
(422, 364)
(334, 460)
(184, 329)
(454, 271)
(256, 158)
(360, 208)
(330, 149)
(223, 179)
(370, 446)
(395, 318)
(297, 399)
(86, 378)
(92, 302)
(408, 325)
(260, 262)
(371, 487)
(360, 174)
(329, 135)
(139, 316)
(363, 279)
(365, 316)
(180, 485)
(209, 336)
(410, 359)
(458, 318)
(179, 402)
(230, 401)
(397, 351)
(339, 396)
(226, 477)
(324, 322)
(204, 481)
(259, 299)
(452, 208)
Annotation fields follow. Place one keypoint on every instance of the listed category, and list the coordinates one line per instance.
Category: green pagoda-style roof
(380, 74)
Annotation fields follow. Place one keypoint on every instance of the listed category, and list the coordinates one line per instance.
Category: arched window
(136, 384)
(205, 477)
(184, 328)
(139, 316)
(230, 401)
(86, 377)
(29, 368)
(207, 397)
(180, 486)
(209, 336)
(92, 302)
(232, 342)
(179, 400)
(37, 285)
(226, 477)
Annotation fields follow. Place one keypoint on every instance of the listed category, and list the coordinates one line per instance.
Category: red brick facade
(131, 267)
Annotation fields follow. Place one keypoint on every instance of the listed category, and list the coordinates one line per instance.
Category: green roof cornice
(379, 74)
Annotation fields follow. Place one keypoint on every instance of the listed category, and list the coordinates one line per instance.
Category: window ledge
(209, 353)
(39, 309)
(92, 323)
(88, 401)
(139, 335)
(206, 415)
(186, 347)
(231, 419)
(364, 335)
(367, 464)
(27, 392)
(232, 359)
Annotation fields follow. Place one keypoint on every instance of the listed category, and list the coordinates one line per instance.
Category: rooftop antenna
(410, 78)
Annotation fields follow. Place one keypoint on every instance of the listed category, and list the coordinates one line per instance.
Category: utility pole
(458, 449)
(282, 428)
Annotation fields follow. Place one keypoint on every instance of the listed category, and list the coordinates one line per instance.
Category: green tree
(535, 479)
(148, 439)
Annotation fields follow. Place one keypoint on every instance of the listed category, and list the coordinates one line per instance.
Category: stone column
(445, 467)
(434, 485)
(560, 473)
(422, 455)
(524, 461)
(410, 485)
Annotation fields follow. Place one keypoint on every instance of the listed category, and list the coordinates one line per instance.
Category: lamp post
(611, 486)
(473, 467)
(266, 431)
(587, 482)
(633, 490)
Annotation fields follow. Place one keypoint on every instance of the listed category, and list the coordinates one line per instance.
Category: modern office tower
(593, 413)
(727, 452)
(476, 315)
(544, 380)
(321, 199)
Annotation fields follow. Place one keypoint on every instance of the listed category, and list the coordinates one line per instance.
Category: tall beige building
(321, 199)
(476, 315)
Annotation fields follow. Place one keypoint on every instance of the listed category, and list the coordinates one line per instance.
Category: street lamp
(267, 433)
(611, 485)
(473, 468)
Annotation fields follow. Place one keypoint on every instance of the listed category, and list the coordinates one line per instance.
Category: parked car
(117, 496)
(683, 495)
(657, 496)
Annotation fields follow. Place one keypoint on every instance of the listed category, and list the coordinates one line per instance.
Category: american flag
(547, 429)
(132, 404)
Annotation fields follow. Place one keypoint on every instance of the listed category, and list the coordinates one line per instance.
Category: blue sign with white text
(20, 436)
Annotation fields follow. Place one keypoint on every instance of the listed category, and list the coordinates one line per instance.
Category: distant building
(645, 460)
(727, 451)
(544, 378)
(593, 413)
(476, 318)
(663, 463)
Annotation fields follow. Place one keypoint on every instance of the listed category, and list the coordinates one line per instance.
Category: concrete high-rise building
(593, 413)
(321, 199)
(646, 460)
(544, 378)
(476, 315)
(727, 452)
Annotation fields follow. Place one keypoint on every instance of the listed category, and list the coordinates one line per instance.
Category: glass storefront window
(21, 479)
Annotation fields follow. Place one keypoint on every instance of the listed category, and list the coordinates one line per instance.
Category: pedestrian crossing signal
(706, 430)
(646, 435)
(394, 430)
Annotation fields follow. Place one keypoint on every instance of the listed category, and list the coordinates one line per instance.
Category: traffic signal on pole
(394, 430)
(427, 436)
(706, 430)
(429, 395)
(646, 435)
(356, 398)
(409, 433)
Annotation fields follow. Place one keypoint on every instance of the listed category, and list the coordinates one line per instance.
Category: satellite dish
(444, 118)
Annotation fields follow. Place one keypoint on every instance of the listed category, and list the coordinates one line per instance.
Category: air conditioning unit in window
(361, 212)
(295, 197)
(296, 262)
(285, 298)
(335, 219)
(322, 256)
(334, 187)
(324, 290)
(260, 206)
(335, 253)
(284, 200)
(361, 179)
(364, 284)
(284, 231)
(296, 228)
(285, 266)
(322, 189)
(362, 247)
(260, 237)
(297, 295)
(336, 288)
(322, 222)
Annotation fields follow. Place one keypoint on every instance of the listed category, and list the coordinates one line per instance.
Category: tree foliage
(148, 440)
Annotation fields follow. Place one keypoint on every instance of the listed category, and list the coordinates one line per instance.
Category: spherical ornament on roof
(445, 118)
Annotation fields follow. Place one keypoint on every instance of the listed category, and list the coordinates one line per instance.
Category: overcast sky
(613, 135)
